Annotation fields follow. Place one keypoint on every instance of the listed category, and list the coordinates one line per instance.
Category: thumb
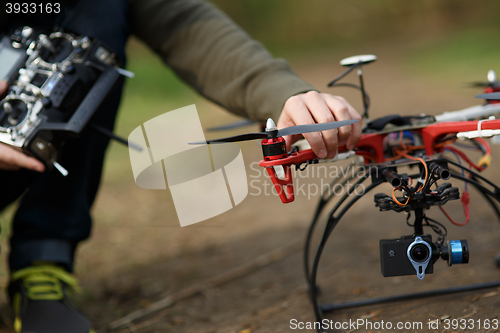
(3, 87)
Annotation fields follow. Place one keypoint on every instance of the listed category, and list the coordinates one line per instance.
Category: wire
(423, 163)
(411, 181)
(366, 154)
(447, 138)
(405, 188)
(343, 74)
(460, 163)
(462, 155)
(401, 137)
(485, 146)
(438, 228)
(476, 146)
(432, 181)
(408, 216)
(445, 143)
(485, 160)
(396, 200)
(366, 97)
(451, 219)
(465, 199)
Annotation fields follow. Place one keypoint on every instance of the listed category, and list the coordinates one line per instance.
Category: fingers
(296, 112)
(313, 107)
(348, 135)
(340, 111)
(322, 114)
(12, 159)
(356, 129)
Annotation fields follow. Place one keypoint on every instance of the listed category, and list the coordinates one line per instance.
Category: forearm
(211, 53)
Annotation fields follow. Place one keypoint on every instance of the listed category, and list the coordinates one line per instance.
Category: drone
(423, 144)
(429, 130)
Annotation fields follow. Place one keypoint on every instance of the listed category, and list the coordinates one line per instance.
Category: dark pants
(53, 215)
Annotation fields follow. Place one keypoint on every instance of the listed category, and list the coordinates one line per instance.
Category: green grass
(460, 56)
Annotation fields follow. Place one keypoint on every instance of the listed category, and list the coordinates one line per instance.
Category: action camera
(416, 255)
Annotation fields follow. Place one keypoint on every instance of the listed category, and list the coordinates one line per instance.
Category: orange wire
(403, 153)
(444, 143)
(406, 148)
(439, 145)
(371, 158)
(421, 161)
(396, 200)
(402, 140)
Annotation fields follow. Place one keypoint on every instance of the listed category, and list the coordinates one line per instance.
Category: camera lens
(419, 252)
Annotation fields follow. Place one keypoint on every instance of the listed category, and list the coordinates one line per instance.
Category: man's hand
(12, 159)
(313, 107)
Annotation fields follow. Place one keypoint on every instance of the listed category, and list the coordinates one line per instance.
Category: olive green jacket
(210, 52)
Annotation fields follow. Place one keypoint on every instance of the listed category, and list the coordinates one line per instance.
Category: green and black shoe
(41, 301)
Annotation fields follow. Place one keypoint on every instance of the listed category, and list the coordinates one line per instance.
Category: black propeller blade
(492, 81)
(293, 130)
(481, 84)
(236, 138)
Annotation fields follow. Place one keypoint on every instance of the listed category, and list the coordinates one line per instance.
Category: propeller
(273, 132)
(492, 81)
(493, 96)
(482, 84)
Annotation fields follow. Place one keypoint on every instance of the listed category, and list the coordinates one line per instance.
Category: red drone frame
(370, 146)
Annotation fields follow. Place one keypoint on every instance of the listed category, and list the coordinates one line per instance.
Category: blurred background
(428, 53)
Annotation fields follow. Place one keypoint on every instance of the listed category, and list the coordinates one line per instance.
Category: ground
(139, 254)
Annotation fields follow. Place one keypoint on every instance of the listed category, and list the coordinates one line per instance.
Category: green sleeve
(210, 52)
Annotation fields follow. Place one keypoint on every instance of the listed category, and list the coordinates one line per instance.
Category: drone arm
(284, 187)
(368, 142)
(432, 132)
(472, 112)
